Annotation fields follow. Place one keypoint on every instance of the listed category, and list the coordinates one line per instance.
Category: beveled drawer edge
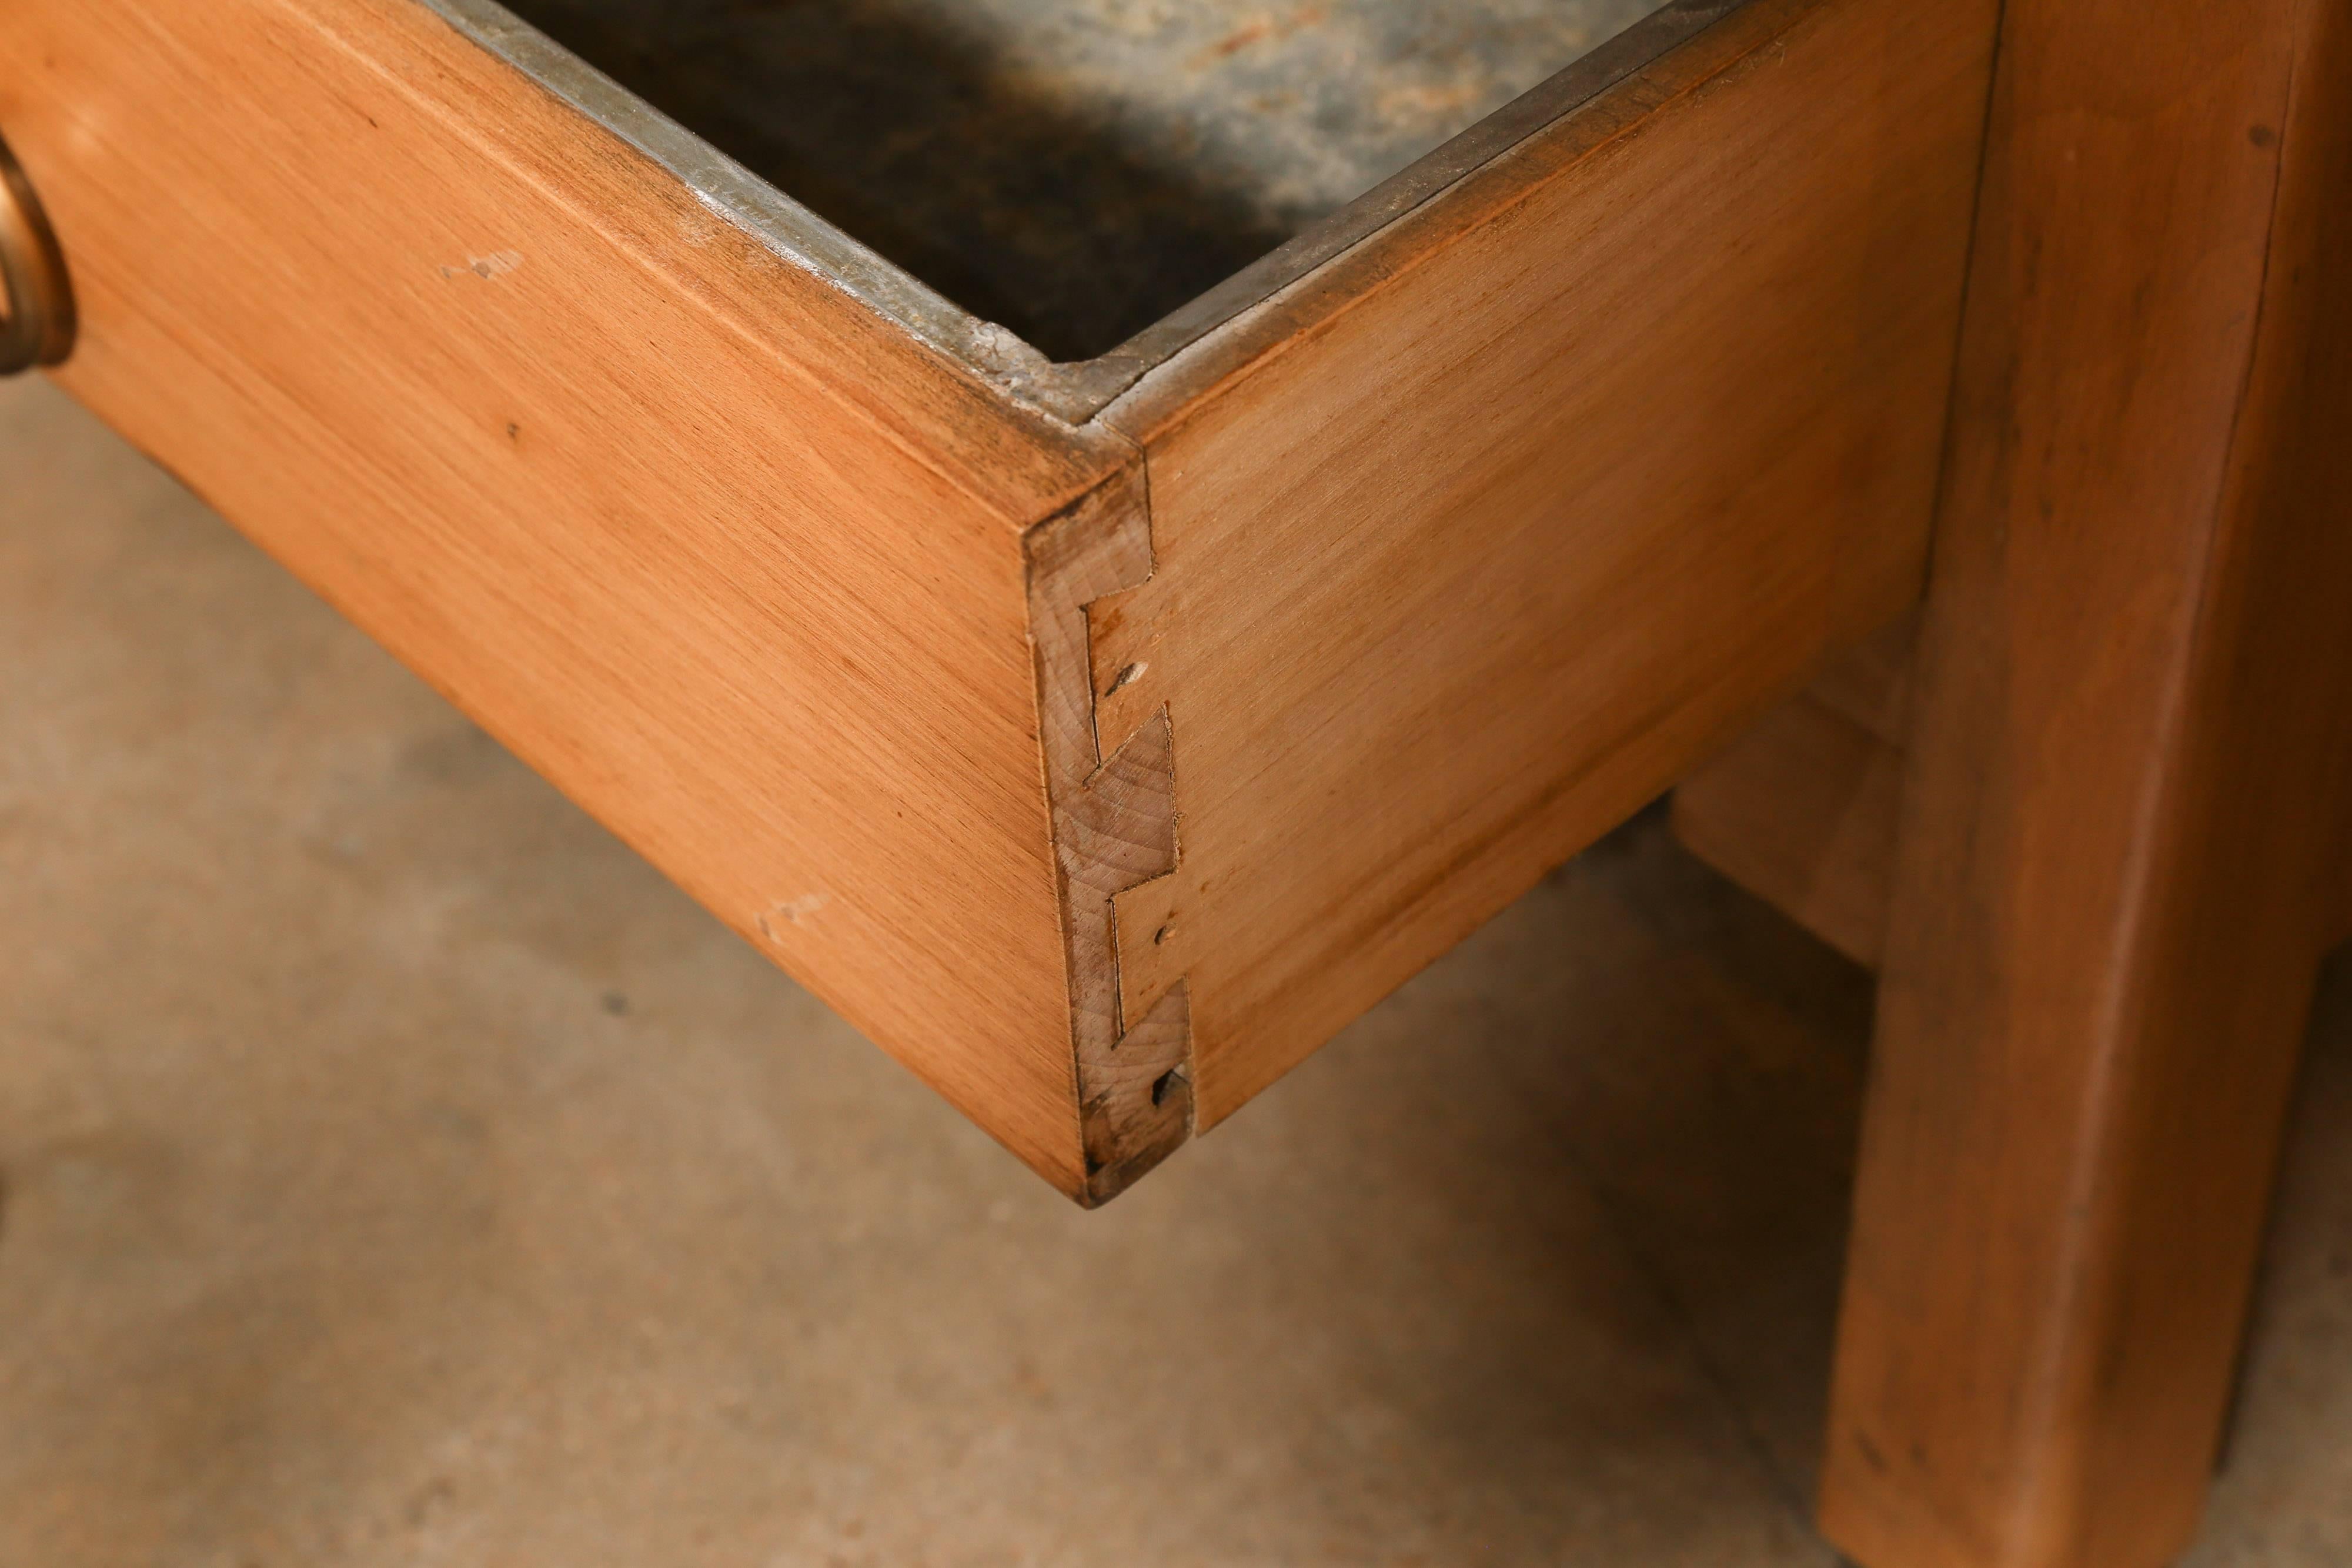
(1074, 391)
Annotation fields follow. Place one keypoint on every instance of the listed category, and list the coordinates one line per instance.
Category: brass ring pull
(37, 328)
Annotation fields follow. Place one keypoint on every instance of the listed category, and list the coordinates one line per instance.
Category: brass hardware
(38, 325)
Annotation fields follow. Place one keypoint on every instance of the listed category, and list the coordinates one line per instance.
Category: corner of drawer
(1108, 742)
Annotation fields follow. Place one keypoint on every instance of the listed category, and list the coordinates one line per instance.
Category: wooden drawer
(1100, 737)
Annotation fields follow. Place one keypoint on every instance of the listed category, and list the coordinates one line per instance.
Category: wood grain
(1100, 772)
(733, 561)
(2118, 856)
(1472, 543)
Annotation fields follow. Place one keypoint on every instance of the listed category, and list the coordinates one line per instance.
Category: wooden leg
(2127, 769)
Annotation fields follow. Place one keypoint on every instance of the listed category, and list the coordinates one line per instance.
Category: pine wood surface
(734, 562)
(2118, 859)
(1472, 545)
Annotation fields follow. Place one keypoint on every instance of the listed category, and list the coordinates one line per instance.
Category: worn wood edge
(1729, 39)
(948, 409)
(1078, 391)
(733, 192)
(1113, 810)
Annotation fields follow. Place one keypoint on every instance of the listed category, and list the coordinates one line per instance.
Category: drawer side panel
(737, 568)
(1472, 542)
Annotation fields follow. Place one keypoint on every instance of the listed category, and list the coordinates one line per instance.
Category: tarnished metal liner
(1092, 183)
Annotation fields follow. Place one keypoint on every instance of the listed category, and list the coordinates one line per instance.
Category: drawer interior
(1077, 170)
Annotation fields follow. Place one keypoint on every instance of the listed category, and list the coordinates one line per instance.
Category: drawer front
(732, 561)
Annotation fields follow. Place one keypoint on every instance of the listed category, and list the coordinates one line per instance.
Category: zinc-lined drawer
(1099, 735)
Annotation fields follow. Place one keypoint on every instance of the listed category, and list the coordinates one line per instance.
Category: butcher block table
(1104, 536)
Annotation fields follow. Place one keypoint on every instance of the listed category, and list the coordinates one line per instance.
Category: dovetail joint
(1112, 798)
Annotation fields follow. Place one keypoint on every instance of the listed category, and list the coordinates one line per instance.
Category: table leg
(2126, 779)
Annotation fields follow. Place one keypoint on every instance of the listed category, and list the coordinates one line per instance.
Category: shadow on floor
(397, 1170)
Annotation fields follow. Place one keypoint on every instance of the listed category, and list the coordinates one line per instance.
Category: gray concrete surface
(394, 1170)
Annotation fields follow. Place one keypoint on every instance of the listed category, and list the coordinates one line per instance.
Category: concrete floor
(398, 1172)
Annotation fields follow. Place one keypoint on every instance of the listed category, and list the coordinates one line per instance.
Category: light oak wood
(2118, 846)
(1100, 766)
(732, 560)
(1475, 541)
